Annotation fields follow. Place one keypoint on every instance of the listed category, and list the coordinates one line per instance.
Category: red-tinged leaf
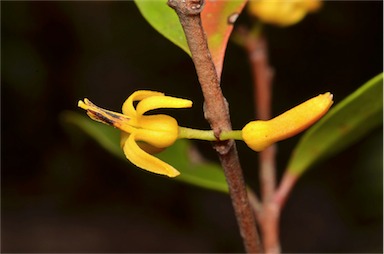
(218, 18)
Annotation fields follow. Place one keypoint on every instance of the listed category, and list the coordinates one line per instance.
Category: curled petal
(128, 108)
(123, 138)
(146, 161)
(143, 145)
(260, 134)
(155, 102)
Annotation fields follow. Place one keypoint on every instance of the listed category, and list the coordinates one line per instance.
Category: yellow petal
(128, 108)
(158, 130)
(155, 102)
(258, 135)
(146, 161)
(143, 145)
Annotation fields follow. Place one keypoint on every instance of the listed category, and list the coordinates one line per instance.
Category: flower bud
(258, 135)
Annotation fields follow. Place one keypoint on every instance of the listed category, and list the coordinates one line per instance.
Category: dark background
(61, 192)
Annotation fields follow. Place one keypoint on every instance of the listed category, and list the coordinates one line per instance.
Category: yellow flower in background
(282, 12)
(258, 135)
(143, 134)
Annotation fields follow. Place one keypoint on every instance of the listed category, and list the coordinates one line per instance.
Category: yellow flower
(143, 134)
(258, 135)
(282, 12)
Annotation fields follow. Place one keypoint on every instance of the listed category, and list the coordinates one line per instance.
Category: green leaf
(203, 174)
(106, 136)
(344, 124)
(214, 17)
(164, 19)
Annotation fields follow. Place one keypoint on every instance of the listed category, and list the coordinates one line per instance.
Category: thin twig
(255, 204)
(256, 46)
(217, 114)
(287, 183)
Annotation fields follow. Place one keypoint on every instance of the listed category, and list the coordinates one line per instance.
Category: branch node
(223, 147)
(187, 7)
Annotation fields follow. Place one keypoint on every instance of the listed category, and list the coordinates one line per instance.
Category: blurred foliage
(344, 124)
(181, 155)
(62, 193)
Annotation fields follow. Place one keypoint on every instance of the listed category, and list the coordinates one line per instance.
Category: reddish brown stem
(217, 114)
(257, 51)
(285, 187)
(271, 210)
(262, 75)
